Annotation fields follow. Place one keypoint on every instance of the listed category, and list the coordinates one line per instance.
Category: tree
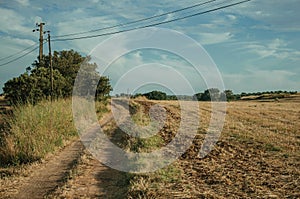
(68, 64)
(35, 85)
(90, 84)
(198, 96)
(156, 95)
(227, 95)
(18, 88)
(212, 94)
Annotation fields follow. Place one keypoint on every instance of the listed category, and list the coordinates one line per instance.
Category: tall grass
(35, 130)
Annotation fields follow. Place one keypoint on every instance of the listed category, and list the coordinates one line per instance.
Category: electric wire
(17, 58)
(154, 24)
(19, 52)
(137, 21)
(126, 30)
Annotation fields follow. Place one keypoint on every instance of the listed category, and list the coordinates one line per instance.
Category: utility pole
(50, 65)
(41, 39)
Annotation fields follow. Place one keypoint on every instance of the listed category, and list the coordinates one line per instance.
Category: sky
(255, 46)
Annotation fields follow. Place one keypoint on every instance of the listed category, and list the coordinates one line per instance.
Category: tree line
(211, 94)
(34, 84)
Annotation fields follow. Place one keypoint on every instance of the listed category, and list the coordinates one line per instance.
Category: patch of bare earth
(40, 179)
(94, 180)
(91, 178)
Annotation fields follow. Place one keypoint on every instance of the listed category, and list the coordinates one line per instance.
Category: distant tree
(223, 97)
(156, 95)
(229, 95)
(198, 96)
(212, 94)
(173, 97)
(103, 88)
(243, 94)
(206, 96)
(137, 95)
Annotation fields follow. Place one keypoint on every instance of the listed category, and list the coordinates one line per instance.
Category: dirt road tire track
(51, 174)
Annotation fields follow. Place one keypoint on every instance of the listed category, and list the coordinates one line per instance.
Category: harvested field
(256, 156)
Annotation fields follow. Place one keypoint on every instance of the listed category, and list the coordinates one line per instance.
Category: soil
(93, 180)
(38, 180)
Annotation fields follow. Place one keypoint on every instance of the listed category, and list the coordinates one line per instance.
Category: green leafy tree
(90, 84)
(198, 96)
(35, 85)
(212, 94)
(156, 95)
(18, 88)
(227, 95)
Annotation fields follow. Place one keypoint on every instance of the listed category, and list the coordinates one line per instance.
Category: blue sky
(256, 45)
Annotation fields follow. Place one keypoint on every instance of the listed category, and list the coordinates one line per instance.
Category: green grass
(271, 147)
(140, 118)
(32, 131)
(146, 185)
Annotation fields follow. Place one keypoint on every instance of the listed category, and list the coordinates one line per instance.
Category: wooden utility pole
(41, 40)
(50, 66)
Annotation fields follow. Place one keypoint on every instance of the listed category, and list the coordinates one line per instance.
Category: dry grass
(32, 131)
(257, 155)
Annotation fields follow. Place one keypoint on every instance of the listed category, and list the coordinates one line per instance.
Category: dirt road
(42, 179)
(69, 173)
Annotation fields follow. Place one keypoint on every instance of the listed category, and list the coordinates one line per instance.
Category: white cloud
(13, 44)
(23, 2)
(214, 38)
(277, 48)
(37, 19)
(78, 25)
(232, 17)
(279, 15)
(12, 22)
(170, 17)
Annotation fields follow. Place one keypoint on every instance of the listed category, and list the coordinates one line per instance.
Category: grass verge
(32, 131)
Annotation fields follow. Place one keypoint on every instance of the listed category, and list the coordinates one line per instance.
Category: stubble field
(256, 156)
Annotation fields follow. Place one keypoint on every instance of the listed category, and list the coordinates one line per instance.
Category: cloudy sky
(255, 45)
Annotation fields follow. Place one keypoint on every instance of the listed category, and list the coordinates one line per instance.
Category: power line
(12, 55)
(154, 24)
(136, 21)
(126, 30)
(17, 58)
